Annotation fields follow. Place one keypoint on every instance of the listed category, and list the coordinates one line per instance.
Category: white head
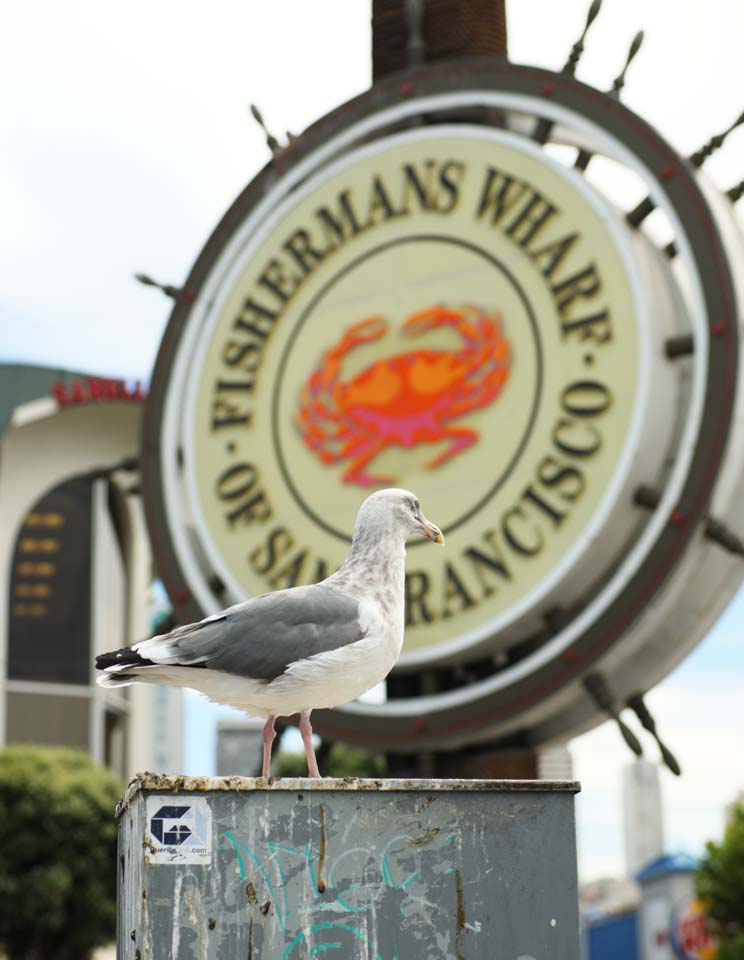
(394, 512)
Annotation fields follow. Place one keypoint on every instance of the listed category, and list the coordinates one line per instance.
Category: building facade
(643, 822)
(76, 562)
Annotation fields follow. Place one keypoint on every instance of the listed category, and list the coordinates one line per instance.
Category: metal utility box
(227, 868)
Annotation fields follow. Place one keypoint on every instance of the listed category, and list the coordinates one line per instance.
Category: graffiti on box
(326, 893)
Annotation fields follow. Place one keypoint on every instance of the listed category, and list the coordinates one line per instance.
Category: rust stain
(427, 837)
(250, 892)
(190, 906)
(460, 917)
(265, 907)
(211, 923)
(322, 854)
(149, 847)
(250, 938)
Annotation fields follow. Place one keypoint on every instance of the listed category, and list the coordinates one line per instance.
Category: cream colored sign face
(448, 312)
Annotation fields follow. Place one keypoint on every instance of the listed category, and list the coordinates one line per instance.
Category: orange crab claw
(438, 316)
(423, 320)
(371, 328)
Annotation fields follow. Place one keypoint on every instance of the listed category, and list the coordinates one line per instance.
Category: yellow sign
(446, 311)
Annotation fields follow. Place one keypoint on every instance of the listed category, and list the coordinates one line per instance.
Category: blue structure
(665, 865)
(669, 914)
(665, 882)
(613, 937)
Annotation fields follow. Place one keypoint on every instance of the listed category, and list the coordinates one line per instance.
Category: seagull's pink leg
(268, 738)
(307, 738)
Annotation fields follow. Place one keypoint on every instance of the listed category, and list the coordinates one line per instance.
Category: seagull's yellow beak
(429, 530)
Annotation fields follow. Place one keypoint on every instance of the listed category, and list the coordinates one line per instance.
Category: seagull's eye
(415, 504)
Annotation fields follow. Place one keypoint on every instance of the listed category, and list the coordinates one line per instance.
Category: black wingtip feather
(126, 656)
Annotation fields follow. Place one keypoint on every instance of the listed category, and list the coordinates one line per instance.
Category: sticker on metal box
(178, 830)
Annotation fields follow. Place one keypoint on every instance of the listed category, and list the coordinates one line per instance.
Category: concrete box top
(176, 783)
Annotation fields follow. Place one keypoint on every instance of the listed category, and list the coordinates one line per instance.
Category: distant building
(608, 895)
(164, 726)
(608, 909)
(672, 924)
(668, 923)
(643, 822)
(239, 747)
(162, 730)
(555, 763)
(75, 569)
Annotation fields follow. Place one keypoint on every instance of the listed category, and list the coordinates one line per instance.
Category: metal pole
(406, 33)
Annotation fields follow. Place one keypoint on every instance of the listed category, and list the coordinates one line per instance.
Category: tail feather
(128, 665)
(122, 667)
(123, 675)
(116, 679)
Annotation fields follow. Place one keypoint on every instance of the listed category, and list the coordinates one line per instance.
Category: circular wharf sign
(449, 307)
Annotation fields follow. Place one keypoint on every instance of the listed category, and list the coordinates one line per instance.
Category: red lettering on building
(90, 389)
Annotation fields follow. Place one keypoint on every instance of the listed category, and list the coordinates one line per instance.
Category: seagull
(298, 649)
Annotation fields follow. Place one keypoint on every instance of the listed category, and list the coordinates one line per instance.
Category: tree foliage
(57, 854)
(341, 760)
(719, 881)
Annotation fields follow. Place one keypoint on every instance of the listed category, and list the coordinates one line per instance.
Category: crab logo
(404, 400)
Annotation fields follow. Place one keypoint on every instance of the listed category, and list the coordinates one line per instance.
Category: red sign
(89, 389)
(691, 933)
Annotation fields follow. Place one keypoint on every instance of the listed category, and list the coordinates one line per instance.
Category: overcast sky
(125, 135)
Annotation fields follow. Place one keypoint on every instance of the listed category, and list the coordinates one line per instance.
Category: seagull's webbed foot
(268, 739)
(306, 732)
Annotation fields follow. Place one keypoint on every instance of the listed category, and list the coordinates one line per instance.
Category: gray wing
(261, 637)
